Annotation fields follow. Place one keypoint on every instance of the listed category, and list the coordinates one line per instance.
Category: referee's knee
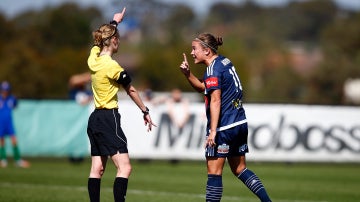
(97, 172)
(124, 171)
(128, 170)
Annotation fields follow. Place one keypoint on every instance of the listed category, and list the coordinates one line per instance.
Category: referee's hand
(148, 122)
(118, 17)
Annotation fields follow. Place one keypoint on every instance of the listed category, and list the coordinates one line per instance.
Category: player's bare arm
(215, 105)
(198, 85)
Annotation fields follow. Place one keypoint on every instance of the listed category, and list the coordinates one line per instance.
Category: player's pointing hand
(184, 67)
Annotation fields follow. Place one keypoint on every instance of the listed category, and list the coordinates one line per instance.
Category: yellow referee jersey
(104, 73)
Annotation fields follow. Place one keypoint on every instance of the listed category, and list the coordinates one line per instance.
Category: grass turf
(58, 180)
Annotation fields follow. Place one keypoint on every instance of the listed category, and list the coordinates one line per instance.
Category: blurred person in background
(80, 88)
(8, 102)
(80, 91)
(106, 136)
(152, 99)
(148, 95)
(178, 113)
(227, 129)
(178, 109)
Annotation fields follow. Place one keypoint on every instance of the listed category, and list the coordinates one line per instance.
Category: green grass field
(57, 180)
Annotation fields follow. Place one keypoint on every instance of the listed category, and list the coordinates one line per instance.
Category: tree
(46, 48)
(341, 46)
(308, 18)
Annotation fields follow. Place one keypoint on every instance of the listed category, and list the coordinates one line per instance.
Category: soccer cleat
(3, 163)
(22, 164)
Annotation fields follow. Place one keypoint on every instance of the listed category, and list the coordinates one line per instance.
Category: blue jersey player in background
(227, 128)
(7, 103)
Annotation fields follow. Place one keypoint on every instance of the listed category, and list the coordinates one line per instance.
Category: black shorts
(105, 133)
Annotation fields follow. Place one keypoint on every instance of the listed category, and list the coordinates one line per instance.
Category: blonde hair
(209, 41)
(103, 34)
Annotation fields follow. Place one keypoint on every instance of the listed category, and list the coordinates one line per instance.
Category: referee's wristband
(146, 111)
(113, 22)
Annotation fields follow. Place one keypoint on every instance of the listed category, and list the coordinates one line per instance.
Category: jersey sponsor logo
(212, 82)
(223, 149)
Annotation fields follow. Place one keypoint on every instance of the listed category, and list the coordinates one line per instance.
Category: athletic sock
(94, 189)
(120, 188)
(16, 152)
(214, 188)
(2, 153)
(254, 184)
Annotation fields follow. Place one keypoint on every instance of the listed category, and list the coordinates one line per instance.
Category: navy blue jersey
(221, 75)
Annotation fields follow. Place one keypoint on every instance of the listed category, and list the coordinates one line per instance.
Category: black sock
(120, 188)
(94, 189)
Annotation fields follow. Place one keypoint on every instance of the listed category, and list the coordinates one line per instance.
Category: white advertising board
(288, 133)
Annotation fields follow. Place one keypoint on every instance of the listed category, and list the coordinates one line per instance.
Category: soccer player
(104, 129)
(227, 128)
(7, 103)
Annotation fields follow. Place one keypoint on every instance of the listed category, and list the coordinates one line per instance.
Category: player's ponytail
(209, 41)
(219, 41)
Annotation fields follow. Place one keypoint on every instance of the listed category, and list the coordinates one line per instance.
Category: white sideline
(142, 192)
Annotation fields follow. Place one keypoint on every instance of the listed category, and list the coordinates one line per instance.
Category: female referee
(227, 128)
(104, 129)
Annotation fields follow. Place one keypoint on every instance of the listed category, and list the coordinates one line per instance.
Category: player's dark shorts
(230, 142)
(105, 133)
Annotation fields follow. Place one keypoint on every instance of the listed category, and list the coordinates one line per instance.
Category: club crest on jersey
(223, 149)
(211, 82)
(237, 103)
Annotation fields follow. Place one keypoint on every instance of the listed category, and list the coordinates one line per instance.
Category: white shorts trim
(230, 125)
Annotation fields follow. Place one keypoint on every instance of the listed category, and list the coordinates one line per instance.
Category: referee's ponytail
(103, 34)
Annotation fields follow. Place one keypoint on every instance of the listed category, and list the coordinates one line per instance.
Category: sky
(11, 8)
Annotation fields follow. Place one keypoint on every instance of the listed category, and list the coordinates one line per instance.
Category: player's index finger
(185, 59)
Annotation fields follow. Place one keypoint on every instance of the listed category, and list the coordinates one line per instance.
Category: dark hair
(209, 41)
(103, 34)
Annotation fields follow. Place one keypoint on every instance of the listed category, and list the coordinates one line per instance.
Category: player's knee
(237, 170)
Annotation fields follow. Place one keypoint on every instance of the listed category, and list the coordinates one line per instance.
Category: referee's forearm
(134, 95)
